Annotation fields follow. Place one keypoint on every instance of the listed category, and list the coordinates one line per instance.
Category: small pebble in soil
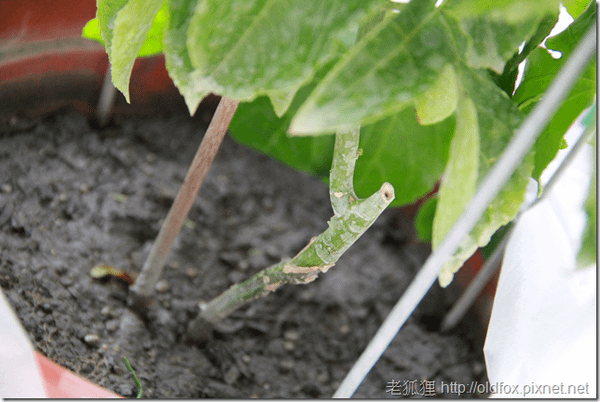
(87, 368)
(7, 188)
(105, 310)
(289, 346)
(291, 335)
(232, 375)
(286, 366)
(91, 339)
(236, 276)
(244, 265)
(46, 308)
(162, 286)
(344, 329)
(150, 158)
(84, 188)
(323, 377)
(112, 325)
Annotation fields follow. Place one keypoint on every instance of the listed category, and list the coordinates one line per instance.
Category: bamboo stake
(143, 288)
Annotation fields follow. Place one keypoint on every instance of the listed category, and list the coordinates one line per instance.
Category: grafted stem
(353, 216)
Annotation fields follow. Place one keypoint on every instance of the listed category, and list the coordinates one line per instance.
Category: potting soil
(74, 196)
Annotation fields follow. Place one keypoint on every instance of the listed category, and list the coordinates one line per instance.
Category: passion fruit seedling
(432, 95)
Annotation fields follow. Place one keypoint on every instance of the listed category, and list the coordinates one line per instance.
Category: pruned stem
(353, 216)
(142, 290)
(341, 178)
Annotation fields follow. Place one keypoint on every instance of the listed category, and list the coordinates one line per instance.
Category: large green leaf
(393, 63)
(509, 11)
(124, 25)
(540, 70)
(497, 120)
(153, 44)
(402, 57)
(508, 79)
(243, 49)
(575, 7)
(495, 29)
(587, 253)
(399, 150)
(255, 124)
(416, 81)
(177, 59)
(460, 177)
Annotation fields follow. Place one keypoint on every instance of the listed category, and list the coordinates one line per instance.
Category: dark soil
(73, 196)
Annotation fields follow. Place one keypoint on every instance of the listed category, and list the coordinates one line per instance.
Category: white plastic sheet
(19, 376)
(541, 340)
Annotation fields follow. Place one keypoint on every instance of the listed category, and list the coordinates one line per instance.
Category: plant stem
(138, 384)
(353, 216)
(141, 292)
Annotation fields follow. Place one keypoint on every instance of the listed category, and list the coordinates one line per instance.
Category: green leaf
(106, 14)
(507, 80)
(399, 150)
(460, 177)
(424, 219)
(125, 24)
(403, 57)
(177, 59)
(510, 11)
(440, 100)
(495, 29)
(394, 149)
(575, 7)
(492, 43)
(255, 124)
(398, 59)
(152, 45)
(540, 71)
(91, 31)
(497, 119)
(587, 253)
(244, 49)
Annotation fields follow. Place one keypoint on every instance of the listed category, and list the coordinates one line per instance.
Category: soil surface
(73, 196)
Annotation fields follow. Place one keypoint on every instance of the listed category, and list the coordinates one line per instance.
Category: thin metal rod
(143, 287)
(467, 299)
(491, 186)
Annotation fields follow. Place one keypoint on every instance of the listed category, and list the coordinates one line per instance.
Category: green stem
(353, 216)
(341, 179)
(138, 384)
